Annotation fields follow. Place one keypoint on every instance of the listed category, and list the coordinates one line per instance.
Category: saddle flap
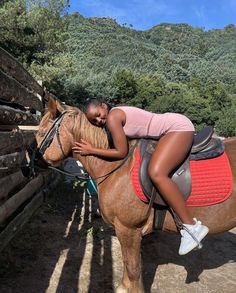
(181, 175)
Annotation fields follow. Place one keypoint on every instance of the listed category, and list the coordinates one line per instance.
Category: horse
(119, 206)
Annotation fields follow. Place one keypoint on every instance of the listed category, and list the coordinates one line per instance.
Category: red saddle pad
(211, 180)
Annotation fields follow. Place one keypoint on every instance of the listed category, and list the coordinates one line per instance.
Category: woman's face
(97, 115)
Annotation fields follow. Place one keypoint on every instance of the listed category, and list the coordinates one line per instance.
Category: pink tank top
(140, 123)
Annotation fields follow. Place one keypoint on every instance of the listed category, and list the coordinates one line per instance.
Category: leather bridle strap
(45, 143)
(77, 175)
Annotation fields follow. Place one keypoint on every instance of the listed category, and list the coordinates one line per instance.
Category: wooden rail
(11, 66)
(21, 109)
(14, 92)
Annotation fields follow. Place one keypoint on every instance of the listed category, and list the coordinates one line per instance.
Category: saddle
(204, 147)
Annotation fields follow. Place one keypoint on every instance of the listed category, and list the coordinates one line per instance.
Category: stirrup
(194, 238)
(180, 226)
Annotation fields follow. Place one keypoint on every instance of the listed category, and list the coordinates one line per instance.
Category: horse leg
(130, 241)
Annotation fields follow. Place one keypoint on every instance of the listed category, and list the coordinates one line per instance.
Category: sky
(144, 14)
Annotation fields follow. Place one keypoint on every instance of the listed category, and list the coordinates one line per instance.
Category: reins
(87, 177)
(119, 165)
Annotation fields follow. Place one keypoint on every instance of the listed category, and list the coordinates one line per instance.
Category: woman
(176, 132)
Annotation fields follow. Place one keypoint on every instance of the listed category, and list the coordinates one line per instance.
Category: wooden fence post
(21, 106)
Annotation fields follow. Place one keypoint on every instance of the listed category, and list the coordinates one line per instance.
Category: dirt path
(64, 249)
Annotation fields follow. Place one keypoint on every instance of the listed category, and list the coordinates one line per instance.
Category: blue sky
(144, 14)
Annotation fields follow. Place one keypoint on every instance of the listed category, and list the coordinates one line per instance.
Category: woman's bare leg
(169, 153)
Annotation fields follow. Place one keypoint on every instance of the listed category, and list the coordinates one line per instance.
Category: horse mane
(83, 129)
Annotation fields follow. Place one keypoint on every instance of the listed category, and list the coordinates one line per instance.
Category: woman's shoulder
(116, 112)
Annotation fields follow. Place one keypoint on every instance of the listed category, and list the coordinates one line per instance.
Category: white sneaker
(192, 236)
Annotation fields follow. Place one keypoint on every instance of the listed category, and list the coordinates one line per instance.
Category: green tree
(226, 125)
(178, 98)
(54, 6)
(16, 35)
(149, 88)
(125, 85)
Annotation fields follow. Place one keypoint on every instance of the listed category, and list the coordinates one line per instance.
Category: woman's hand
(83, 148)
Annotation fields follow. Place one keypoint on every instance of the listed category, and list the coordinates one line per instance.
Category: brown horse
(119, 205)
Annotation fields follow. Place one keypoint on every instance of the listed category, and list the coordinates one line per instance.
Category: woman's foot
(192, 236)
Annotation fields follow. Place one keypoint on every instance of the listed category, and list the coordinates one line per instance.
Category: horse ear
(54, 106)
(60, 107)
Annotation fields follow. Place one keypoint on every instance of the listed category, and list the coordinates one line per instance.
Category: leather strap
(150, 204)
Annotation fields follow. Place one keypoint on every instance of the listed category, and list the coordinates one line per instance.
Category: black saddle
(204, 147)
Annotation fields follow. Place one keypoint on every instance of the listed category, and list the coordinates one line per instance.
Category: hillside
(171, 67)
(177, 52)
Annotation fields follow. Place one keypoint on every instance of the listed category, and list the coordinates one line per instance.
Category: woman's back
(137, 121)
(140, 123)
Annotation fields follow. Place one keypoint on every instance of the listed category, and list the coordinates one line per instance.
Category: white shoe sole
(195, 245)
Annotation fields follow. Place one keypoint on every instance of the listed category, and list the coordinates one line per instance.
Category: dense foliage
(171, 67)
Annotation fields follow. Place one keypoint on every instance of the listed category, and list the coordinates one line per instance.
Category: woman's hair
(95, 102)
(98, 102)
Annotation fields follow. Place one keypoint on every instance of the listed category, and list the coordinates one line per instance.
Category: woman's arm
(115, 121)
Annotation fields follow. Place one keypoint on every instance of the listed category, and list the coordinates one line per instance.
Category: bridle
(35, 153)
(48, 138)
(38, 163)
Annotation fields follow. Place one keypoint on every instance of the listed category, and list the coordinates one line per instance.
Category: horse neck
(97, 137)
(94, 166)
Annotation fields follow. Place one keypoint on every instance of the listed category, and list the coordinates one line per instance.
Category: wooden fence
(21, 109)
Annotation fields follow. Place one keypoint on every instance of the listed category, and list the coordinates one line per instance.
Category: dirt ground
(65, 248)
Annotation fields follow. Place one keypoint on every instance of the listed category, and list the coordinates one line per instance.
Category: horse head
(54, 137)
(60, 127)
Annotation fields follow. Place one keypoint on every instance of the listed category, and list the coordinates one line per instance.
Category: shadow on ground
(66, 248)
(162, 248)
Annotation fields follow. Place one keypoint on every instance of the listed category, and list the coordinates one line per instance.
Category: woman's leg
(170, 152)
